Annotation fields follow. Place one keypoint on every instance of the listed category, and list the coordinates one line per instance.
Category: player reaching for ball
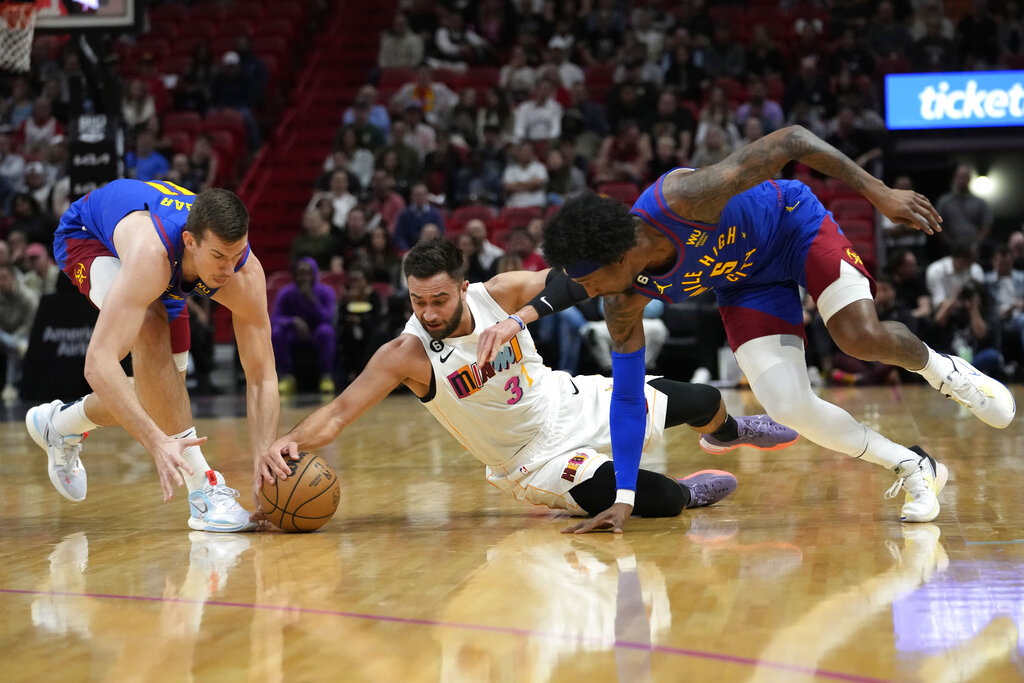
(754, 241)
(137, 249)
(540, 432)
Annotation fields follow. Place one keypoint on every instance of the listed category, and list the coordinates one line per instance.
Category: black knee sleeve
(656, 494)
(692, 404)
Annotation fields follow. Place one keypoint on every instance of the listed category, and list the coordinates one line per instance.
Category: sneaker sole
(717, 450)
(37, 436)
(200, 525)
(941, 477)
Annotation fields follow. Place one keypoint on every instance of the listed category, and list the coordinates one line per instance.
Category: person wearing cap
(41, 277)
(36, 183)
(232, 88)
(559, 49)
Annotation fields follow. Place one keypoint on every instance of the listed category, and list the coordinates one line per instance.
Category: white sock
(936, 369)
(194, 457)
(71, 419)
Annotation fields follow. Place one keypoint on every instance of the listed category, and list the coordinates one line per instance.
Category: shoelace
(69, 455)
(224, 491)
(900, 483)
(758, 427)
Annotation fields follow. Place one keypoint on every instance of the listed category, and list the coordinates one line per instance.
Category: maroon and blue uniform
(769, 240)
(86, 231)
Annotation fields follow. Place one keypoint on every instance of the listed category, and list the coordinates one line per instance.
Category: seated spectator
(540, 117)
(669, 119)
(508, 262)
(370, 118)
(525, 179)
(137, 105)
(400, 47)
(717, 112)
(665, 158)
(302, 320)
(42, 275)
(888, 36)
(455, 46)
(520, 243)
(355, 238)
(565, 180)
(934, 51)
(194, 88)
(603, 36)
(725, 56)
(910, 289)
(559, 50)
(382, 262)
(967, 325)
(900, 236)
(28, 221)
(413, 217)
(752, 131)
(517, 77)
(421, 135)
(181, 174)
(487, 252)
(947, 276)
(637, 65)
(405, 158)
(18, 105)
(976, 34)
(36, 133)
(17, 311)
(1006, 289)
(763, 55)
(1016, 245)
(713, 148)
(599, 340)
(475, 270)
(860, 145)
(808, 86)
(341, 199)
(204, 163)
(361, 314)
(440, 167)
(683, 76)
(12, 168)
(36, 183)
(630, 100)
(435, 99)
(384, 203)
(253, 66)
(316, 242)
(624, 156)
(360, 160)
(769, 112)
(495, 113)
(851, 54)
(232, 88)
(145, 163)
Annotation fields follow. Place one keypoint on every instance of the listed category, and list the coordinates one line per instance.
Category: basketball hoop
(17, 23)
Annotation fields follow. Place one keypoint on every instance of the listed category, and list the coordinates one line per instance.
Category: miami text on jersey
(469, 379)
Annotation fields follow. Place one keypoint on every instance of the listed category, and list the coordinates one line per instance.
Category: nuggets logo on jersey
(853, 256)
(470, 378)
(80, 274)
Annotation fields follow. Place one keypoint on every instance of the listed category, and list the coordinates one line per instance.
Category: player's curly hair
(588, 227)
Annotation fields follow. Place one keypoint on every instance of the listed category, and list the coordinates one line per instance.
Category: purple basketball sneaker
(756, 431)
(707, 487)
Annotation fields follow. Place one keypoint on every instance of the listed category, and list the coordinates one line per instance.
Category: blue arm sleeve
(628, 419)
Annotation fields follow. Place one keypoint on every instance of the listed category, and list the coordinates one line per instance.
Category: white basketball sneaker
(67, 474)
(214, 508)
(923, 479)
(988, 399)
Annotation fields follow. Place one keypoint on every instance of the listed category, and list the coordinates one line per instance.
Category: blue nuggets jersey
(762, 237)
(94, 217)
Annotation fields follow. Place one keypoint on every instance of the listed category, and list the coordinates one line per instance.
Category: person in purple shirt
(303, 316)
(418, 213)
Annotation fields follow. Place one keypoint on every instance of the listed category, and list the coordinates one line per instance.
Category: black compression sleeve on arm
(560, 292)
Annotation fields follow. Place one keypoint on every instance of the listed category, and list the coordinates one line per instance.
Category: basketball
(306, 499)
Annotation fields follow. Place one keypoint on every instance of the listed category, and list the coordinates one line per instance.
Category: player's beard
(448, 329)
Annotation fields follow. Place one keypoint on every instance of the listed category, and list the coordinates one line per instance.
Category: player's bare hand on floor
(611, 519)
(168, 457)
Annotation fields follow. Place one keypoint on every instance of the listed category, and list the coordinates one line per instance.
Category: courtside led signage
(968, 99)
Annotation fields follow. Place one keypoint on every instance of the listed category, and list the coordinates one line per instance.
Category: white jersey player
(543, 434)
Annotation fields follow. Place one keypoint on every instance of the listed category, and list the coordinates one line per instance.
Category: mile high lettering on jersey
(696, 282)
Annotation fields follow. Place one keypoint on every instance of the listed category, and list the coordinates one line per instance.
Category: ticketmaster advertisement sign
(969, 99)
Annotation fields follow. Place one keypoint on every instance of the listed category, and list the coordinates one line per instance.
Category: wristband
(522, 325)
(625, 496)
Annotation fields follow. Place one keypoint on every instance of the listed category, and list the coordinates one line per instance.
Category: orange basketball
(306, 499)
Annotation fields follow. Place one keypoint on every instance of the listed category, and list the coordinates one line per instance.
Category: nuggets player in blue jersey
(540, 432)
(136, 250)
(755, 241)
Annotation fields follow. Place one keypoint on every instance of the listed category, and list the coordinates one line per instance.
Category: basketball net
(17, 23)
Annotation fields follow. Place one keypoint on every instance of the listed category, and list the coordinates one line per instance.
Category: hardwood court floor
(428, 574)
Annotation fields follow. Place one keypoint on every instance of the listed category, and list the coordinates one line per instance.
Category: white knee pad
(181, 361)
(850, 286)
(102, 273)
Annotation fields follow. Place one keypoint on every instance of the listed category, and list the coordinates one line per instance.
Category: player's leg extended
(656, 494)
(775, 367)
(700, 407)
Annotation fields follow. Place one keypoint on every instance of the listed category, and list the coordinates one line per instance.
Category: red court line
(528, 633)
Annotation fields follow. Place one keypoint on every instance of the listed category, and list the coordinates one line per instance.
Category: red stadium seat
(335, 280)
(188, 121)
(851, 207)
(859, 230)
(464, 214)
(518, 217)
(480, 77)
(229, 120)
(625, 192)
(181, 141)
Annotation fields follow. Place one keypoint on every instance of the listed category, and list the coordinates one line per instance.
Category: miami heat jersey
(94, 217)
(473, 402)
(762, 237)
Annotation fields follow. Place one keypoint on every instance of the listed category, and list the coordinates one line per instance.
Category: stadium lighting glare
(983, 186)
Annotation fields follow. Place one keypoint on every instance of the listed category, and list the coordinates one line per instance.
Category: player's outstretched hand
(493, 338)
(911, 209)
(168, 457)
(271, 465)
(611, 519)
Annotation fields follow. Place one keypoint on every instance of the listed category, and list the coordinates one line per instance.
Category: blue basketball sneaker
(755, 431)
(214, 508)
(708, 487)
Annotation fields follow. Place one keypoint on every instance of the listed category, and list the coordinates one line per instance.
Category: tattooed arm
(702, 194)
